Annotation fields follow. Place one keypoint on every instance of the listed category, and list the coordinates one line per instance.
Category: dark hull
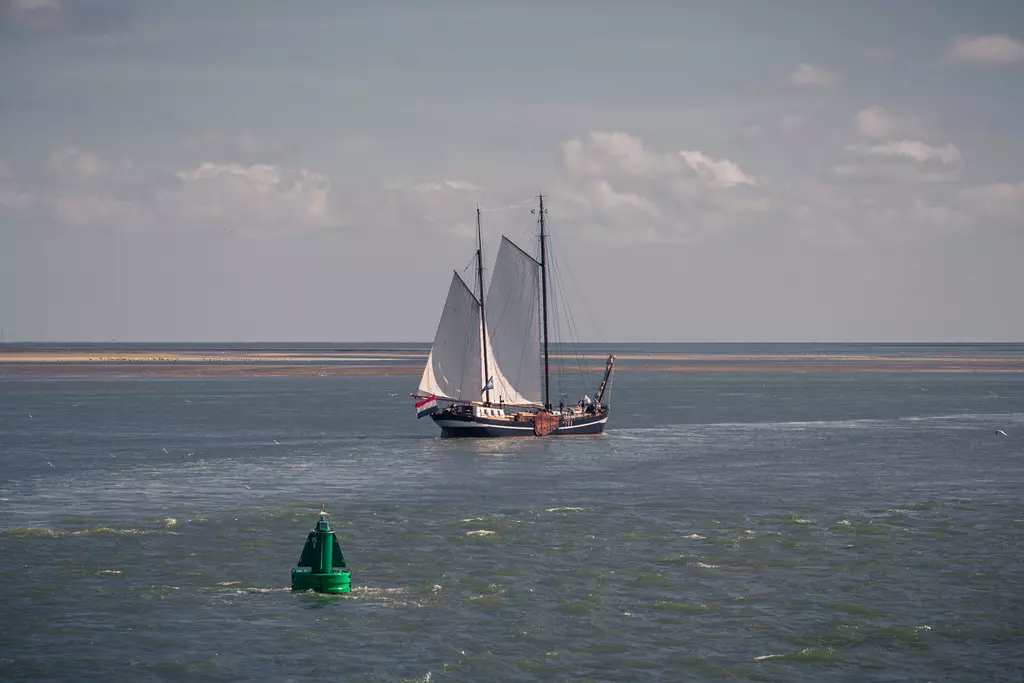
(466, 426)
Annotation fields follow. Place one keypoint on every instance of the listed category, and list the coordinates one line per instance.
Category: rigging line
(559, 304)
(574, 330)
(573, 340)
(594, 319)
(571, 322)
(509, 208)
(526, 239)
(582, 364)
(556, 317)
(553, 333)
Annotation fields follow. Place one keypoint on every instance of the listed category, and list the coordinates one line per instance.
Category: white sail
(513, 327)
(453, 368)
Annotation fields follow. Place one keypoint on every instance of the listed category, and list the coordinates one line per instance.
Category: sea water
(736, 524)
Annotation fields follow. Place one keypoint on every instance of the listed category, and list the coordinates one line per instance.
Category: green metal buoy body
(327, 572)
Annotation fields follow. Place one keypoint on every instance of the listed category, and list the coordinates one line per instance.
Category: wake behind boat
(490, 361)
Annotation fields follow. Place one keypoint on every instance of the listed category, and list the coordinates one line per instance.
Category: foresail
(513, 326)
(453, 368)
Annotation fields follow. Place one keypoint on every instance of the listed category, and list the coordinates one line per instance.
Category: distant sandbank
(241, 363)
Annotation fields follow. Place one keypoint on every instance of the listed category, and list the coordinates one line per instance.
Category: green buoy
(327, 572)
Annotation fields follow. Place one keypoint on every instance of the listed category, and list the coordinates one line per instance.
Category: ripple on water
(680, 606)
(808, 654)
(796, 519)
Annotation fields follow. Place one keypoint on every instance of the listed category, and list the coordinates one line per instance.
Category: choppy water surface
(763, 527)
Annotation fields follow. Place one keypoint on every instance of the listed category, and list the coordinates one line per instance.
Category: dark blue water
(745, 526)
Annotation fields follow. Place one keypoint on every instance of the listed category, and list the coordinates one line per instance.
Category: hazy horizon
(426, 343)
(793, 172)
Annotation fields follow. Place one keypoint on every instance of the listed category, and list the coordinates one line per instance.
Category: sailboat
(489, 365)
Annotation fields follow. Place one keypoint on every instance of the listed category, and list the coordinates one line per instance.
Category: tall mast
(483, 320)
(544, 303)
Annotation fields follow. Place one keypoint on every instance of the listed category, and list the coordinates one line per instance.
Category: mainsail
(513, 327)
(454, 368)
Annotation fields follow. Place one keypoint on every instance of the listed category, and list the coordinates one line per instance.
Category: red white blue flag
(427, 406)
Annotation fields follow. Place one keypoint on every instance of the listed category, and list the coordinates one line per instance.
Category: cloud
(939, 216)
(874, 122)
(602, 153)
(29, 6)
(231, 146)
(810, 76)
(80, 188)
(998, 200)
(89, 16)
(11, 195)
(916, 150)
(880, 210)
(608, 186)
(457, 185)
(613, 187)
(443, 207)
(990, 50)
(262, 198)
(75, 163)
(900, 160)
(718, 172)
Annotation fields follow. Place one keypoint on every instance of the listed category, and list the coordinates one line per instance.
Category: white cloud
(938, 216)
(231, 146)
(35, 5)
(990, 50)
(718, 172)
(78, 164)
(610, 186)
(85, 209)
(260, 198)
(916, 150)
(874, 122)
(458, 185)
(793, 124)
(901, 160)
(613, 186)
(810, 76)
(83, 189)
(443, 207)
(999, 200)
(12, 196)
(34, 13)
(77, 15)
(602, 153)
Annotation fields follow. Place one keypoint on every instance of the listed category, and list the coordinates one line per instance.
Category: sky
(309, 171)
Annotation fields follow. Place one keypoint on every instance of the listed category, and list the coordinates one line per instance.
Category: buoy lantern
(322, 565)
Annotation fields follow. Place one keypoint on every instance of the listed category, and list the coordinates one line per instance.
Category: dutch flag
(427, 406)
(489, 385)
